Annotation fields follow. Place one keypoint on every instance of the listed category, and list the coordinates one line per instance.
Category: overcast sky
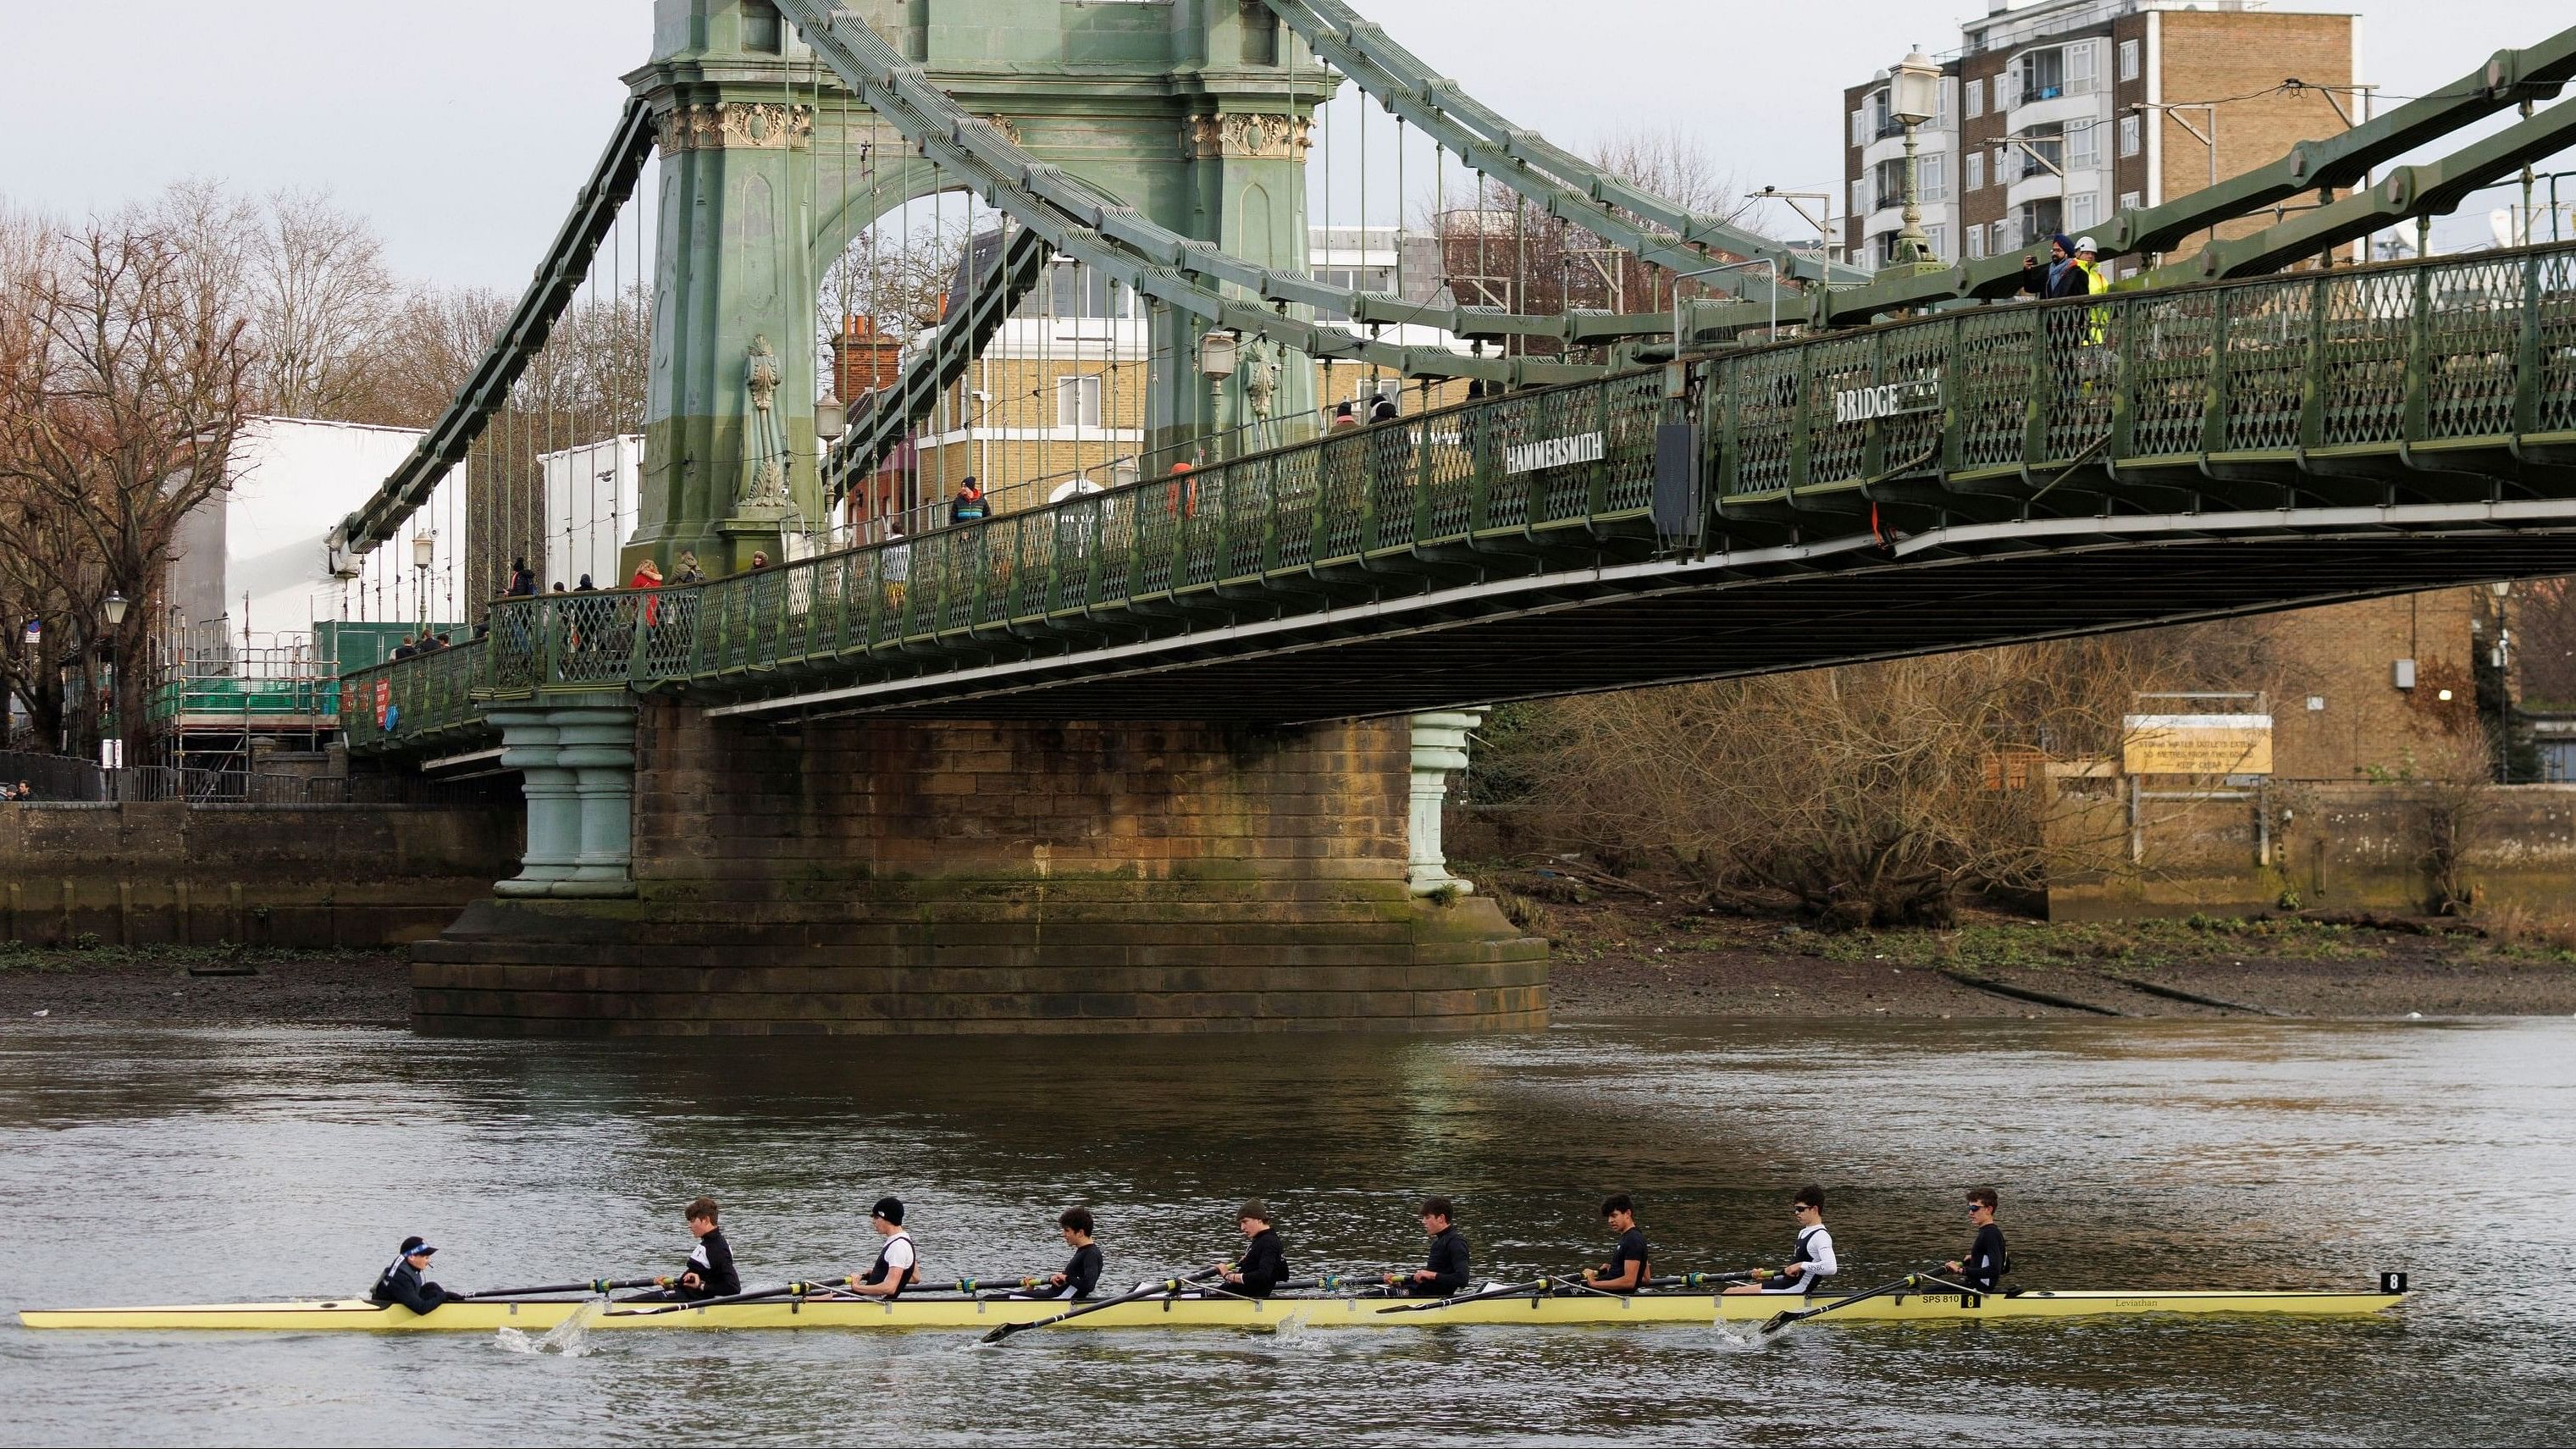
(463, 127)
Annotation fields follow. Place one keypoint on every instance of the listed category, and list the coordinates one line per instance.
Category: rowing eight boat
(1582, 1309)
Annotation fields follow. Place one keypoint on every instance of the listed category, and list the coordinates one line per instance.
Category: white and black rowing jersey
(712, 1261)
(896, 1260)
(1812, 1263)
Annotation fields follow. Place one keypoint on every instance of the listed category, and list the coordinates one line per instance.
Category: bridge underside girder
(1597, 630)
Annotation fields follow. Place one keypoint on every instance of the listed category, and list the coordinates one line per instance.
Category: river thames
(230, 1164)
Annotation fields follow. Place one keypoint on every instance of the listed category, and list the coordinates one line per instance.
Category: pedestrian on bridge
(648, 577)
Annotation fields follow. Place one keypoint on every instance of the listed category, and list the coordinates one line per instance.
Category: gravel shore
(137, 987)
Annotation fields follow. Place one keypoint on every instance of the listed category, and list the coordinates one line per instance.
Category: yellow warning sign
(2197, 744)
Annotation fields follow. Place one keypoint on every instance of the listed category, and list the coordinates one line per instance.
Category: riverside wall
(884, 876)
(173, 873)
(2333, 845)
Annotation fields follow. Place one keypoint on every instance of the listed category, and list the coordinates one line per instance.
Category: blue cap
(417, 1248)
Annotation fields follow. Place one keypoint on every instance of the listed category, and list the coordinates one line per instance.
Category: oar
(1142, 1290)
(1499, 1290)
(594, 1285)
(783, 1290)
(1783, 1319)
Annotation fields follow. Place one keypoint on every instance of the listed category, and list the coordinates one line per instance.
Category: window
(1945, 108)
(2001, 239)
(1973, 178)
(1882, 121)
(1940, 239)
(2039, 219)
(2043, 150)
(2082, 210)
(2084, 144)
(2130, 200)
(2128, 60)
(1860, 128)
(762, 31)
(1861, 205)
(1931, 179)
(1077, 402)
(2041, 75)
(2008, 88)
(2083, 66)
(2006, 170)
(1974, 98)
(2130, 132)
(1976, 239)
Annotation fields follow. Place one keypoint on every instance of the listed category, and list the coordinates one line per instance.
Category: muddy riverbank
(1617, 959)
(1621, 953)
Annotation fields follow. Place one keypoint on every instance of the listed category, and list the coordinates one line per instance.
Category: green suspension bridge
(1918, 468)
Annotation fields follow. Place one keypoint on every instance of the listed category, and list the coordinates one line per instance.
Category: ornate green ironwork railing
(2304, 371)
(2324, 387)
(427, 698)
(1565, 468)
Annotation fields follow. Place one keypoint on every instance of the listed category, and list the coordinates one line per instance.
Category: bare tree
(30, 668)
(1502, 250)
(1873, 794)
(121, 394)
(319, 298)
(2543, 619)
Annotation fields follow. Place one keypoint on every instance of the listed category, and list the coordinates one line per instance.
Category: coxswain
(1446, 1271)
(1626, 1270)
(897, 1267)
(1985, 1264)
(1264, 1264)
(402, 1283)
(1813, 1260)
(710, 1273)
(1082, 1271)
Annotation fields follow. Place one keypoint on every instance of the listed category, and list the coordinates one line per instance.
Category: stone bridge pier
(903, 876)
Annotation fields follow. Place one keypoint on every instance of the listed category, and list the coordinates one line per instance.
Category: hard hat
(2085, 244)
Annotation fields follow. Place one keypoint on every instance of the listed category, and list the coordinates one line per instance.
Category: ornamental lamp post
(1216, 364)
(424, 552)
(1913, 97)
(112, 751)
(831, 417)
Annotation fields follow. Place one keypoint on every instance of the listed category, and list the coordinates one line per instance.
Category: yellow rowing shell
(1582, 1310)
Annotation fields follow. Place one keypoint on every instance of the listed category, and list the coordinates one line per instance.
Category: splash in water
(1727, 1338)
(570, 1338)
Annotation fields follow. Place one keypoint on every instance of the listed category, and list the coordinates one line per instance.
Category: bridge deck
(1978, 476)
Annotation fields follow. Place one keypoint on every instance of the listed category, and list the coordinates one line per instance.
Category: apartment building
(2057, 114)
(1056, 401)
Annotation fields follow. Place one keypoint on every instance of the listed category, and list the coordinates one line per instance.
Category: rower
(1814, 1259)
(897, 1267)
(710, 1273)
(1082, 1271)
(1986, 1263)
(1446, 1273)
(1264, 1264)
(401, 1282)
(1626, 1270)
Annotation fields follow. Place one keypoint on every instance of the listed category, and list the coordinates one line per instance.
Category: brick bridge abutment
(900, 876)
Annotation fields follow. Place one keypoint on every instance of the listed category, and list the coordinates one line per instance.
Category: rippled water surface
(224, 1164)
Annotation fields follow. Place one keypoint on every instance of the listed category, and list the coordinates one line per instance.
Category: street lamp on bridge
(1913, 97)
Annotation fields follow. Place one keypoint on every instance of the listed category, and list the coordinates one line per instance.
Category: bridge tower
(1197, 113)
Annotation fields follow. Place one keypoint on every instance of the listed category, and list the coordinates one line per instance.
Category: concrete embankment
(175, 873)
